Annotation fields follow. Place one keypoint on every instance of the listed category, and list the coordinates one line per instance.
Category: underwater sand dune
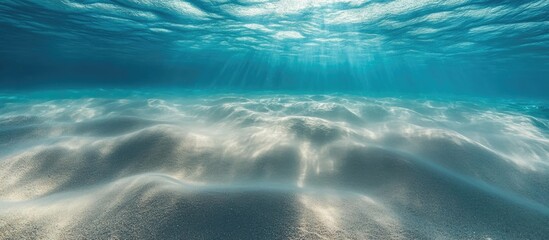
(272, 166)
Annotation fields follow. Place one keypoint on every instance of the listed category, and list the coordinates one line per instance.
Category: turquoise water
(488, 48)
(264, 119)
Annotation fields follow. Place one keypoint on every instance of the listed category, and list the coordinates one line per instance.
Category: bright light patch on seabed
(272, 166)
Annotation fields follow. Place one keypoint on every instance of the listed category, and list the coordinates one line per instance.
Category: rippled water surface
(458, 26)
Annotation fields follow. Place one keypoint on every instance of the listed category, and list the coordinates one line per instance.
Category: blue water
(265, 119)
(465, 47)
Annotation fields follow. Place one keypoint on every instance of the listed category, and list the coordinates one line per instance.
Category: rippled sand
(203, 166)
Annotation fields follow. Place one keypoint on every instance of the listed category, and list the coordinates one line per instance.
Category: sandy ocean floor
(278, 166)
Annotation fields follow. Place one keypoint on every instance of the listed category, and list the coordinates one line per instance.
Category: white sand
(272, 166)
